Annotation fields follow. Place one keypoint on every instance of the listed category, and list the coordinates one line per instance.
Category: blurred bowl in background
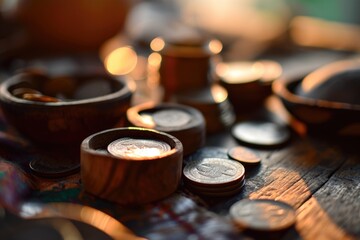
(248, 83)
(326, 100)
(64, 110)
(68, 25)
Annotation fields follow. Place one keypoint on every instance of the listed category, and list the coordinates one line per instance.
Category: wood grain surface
(319, 177)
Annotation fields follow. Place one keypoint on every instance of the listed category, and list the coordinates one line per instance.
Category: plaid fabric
(180, 216)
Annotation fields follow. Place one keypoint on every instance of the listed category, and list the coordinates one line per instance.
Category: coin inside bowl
(183, 122)
(128, 178)
(64, 110)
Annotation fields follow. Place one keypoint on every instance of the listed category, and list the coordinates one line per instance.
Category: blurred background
(123, 29)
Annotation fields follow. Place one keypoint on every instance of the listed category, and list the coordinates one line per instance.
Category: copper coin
(261, 133)
(171, 118)
(19, 92)
(263, 214)
(214, 171)
(244, 155)
(137, 149)
(39, 98)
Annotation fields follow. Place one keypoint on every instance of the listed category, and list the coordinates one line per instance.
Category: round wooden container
(89, 103)
(130, 181)
(185, 65)
(192, 134)
(248, 83)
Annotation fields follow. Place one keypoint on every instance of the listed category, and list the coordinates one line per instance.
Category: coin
(137, 149)
(19, 92)
(54, 168)
(244, 155)
(39, 97)
(214, 171)
(222, 193)
(261, 133)
(171, 118)
(263, 214)
(213, 187)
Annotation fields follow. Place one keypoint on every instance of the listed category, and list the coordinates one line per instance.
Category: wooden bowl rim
(281, 87)
(124, 92)
(177, 147)
(134, 117)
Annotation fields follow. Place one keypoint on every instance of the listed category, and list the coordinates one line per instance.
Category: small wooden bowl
(192, 135)
(69, 121)
(248, 83)
(320, 116)
(127, 181)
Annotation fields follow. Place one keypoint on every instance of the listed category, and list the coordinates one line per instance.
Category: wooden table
(318, 177)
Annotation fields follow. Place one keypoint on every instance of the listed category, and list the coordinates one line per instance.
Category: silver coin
(171, 118)
(263, 214)
(133, 148)
(213, 187)
(223, 193)
(214, 171)
(261, 133)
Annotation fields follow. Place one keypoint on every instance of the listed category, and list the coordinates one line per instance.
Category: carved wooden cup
(125, 180)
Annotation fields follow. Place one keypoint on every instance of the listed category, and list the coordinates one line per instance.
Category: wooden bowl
(125, 180)
(192, 134)
(68, 121)
(320, 116)
(248, 83)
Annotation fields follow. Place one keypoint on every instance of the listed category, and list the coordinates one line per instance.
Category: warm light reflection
(154, 60)
(147, 120)
(144, 152)
(244, 19)
(121, 61)
(84, 214)
(157, 44)
(219, 93)
(309, 210)
(271, 70)
(239, 72)
(322, 74)
(313, 32)
(215, 46)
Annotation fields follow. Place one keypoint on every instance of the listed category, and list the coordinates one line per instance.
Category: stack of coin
(183, 122)
(214, 177)
(262, 215)
(212, 102)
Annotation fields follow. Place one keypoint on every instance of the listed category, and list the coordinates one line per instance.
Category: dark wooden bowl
(192, 135)
(126, 180)
(320, 116)
(69, 121)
